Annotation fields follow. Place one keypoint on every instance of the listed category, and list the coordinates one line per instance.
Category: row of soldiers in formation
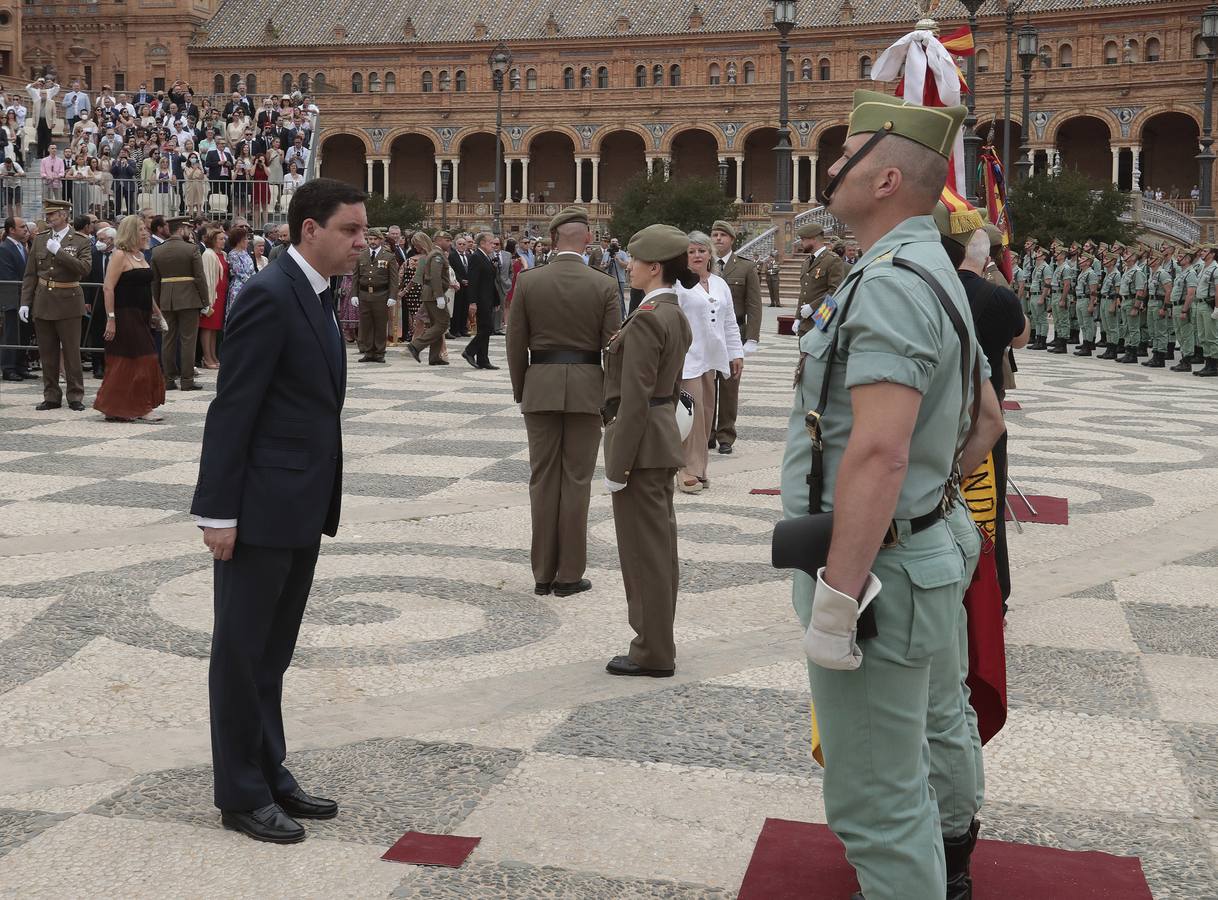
(1147, 302)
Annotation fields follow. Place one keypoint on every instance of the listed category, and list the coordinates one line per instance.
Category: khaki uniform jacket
(377, 273)
(178, 259)
(432, 274)
(563, 306)
(643, 361)
(820, 276)
(70, 264)
(740, 273)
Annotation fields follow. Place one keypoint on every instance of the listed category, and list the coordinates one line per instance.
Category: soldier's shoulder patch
(647, 306)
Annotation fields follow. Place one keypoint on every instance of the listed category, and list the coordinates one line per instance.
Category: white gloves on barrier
(441, 302)
(392, 302)
(805, 311)
(830, 639)
(24, 314)
(355, 301)
(614, 486)
(53, 245)
(750, 347)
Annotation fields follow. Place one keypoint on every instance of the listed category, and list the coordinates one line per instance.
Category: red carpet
(802, 861)
(1011, 405)
(773, 492)
(786, 325)
(431, 849)
(1049, 510)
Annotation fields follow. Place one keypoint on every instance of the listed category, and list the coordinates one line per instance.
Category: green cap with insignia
(177, 221)
(567, 215)
(725, 227)
(810, 230)
(658, 243)
(53, 205)
(932, 127)
(376, 233)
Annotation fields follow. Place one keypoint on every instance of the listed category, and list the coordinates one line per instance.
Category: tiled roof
(243, 23)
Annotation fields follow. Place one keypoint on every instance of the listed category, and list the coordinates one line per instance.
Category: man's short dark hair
(156, 224)
(318, 199)
(10, 224)
(80, 223)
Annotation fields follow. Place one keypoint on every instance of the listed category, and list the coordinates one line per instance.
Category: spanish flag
(963, 215)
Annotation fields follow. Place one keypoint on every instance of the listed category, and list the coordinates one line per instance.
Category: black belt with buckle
(609, 410)
(921, 523)
(564, 357)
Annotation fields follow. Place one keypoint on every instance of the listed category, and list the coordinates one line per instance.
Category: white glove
(613, 486)
(53, 245)
(830, 639)
(24, 314)
(355, 301)
(750, 347)
(805, 311)
(441, 302)
(392, 302)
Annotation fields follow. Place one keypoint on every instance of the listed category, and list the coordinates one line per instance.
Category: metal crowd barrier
(89, 287)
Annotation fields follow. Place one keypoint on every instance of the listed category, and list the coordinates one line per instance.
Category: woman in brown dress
(133, 385)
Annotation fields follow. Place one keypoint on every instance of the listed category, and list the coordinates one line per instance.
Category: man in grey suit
(503, 265)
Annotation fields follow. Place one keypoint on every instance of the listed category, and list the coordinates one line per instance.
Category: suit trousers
(562, 460)
(702, 389)
(460, 313)
(646, 527)
(432, 339)
(729, 400)
(60, 338)
(15, 332)
(373, 326)
(178, 344)
(260, 597)
(478, 348)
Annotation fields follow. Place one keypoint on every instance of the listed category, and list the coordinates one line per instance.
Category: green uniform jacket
(69, 265)
(740, 273)
(178, 259)
(377, 273)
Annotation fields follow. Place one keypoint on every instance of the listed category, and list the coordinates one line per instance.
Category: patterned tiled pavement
(432, 690)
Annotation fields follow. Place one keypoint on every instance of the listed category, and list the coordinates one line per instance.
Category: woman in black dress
(133, 386)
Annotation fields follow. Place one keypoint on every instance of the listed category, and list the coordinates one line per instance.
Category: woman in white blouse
(715, 349)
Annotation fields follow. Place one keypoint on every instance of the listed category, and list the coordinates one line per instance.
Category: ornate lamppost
(971, 141)
(784, 21)
(499, 60)
(445, 175)
(1007, 82)
(1205, 159)
(1029, 45)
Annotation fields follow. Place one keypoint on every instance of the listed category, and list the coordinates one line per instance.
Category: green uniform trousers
(1157, 326)
(1207, 330)
(1186, 332)
(1039, 314)
(1130, 326)
(902, 754)
(1110, 319)
(1085, 319)
(1071, 312)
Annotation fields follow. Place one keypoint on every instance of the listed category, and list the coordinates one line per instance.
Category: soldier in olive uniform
(1158, 309)
(431, 274)
(771, 269)
(1061, 289)
(563, 316)
(179, 289)
(1086, 302)
(822, 272)
(1110, 308)
(643, 366)
(741, 276)
(51, 292)
(1183, 295)
(902, 780)
(1038, 289)
(1133, 295)
(376, 275)
(1203, 315)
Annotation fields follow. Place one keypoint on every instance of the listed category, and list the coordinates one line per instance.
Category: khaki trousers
(178, 346)
(433, 338)
(702, 389)
(646, 527)
(562, 460)
(373, 325)
(54, 336)
(729, 400)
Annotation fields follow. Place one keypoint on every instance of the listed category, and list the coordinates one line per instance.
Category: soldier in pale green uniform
(1086, 292)
(1183, 292)
(1038, 290)
(1110, 308)
(1158, 311)
(1130, 323)
(1203, 319)
(1063, 290)
(902, 767)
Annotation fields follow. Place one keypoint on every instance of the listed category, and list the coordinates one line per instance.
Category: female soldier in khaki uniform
(643, 367)
(431, 273)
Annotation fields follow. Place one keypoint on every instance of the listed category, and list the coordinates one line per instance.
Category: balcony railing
(1164, 218)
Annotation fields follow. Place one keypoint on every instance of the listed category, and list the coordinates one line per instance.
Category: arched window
(427, 82)
(714, 74)
(1065, 56)
(391, 82)
(251, 81)
(357, 83)
(674, 75)
(462, 83)
(790, 70)
(602, 77)
(1110, 53)
(285, 83)
(585, 77)
(983, 60)
(1154, 50)
(657, 74)
(805, 70)
(234, 82)
(825, 69)
(217, 85)
(446, 81)
(530, 79)
(514, 79)
(568, 78)
(1199, 48)
(640, 76)
(750, 73)
(319, 82)
(374, 83)
(864, 67)
(303, 84)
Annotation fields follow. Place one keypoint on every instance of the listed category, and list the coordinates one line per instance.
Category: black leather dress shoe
(76, 406)
(542, 588)
(191, 387)
(268, 823)
(47, 404)
(306, 806)
(725, 447)
(490, 366)
(566, 589)
(469, 359)
(410, 348)
(12, 376)
(171, 385)
(437, 362)
(624, 665)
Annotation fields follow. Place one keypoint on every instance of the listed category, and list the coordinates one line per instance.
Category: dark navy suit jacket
(12, 268)
(272, 445)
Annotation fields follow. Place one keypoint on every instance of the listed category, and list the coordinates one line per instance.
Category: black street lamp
(1029, 46)
(971, 140)
(1205, 159)
(445, 176)
(1007, 81)
(499, 60)
(784, 21)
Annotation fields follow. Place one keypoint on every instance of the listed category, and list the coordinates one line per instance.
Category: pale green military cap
(567, 215)
(932, 127)
(727, 227)
(376, 233)
(657, 243)
(810, 230)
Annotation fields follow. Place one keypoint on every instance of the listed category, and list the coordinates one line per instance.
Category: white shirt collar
(319, 283)
(657, 292)
(571, 253)
(726, 259)
(819, 250)
(60, 235)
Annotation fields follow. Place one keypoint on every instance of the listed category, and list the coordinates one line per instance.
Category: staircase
(788, 280)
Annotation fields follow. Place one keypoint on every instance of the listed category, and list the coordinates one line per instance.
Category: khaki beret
(177, 221)
(568, 215)
(442, 234)
(995, 234)
(810, 230)
(658, 243)
(725, 227)
(53, 205)
(376, 233)
(932, 127)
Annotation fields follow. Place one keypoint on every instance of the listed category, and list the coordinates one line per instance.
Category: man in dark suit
(270, 484)
(482, 293)
(13, 253)
(103, 246)
(219, 164)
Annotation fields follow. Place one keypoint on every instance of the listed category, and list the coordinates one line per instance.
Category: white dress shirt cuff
(614, 486)
(204, 522)
(750, 347)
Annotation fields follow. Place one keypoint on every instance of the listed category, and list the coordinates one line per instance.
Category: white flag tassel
(915, 53)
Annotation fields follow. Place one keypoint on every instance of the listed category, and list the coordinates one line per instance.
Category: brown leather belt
(58, 285)
(177, 278)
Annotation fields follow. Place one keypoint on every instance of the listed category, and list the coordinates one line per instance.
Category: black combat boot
(1131, 355)
(1074, 336)
(1171, 351)
(1058, 345)
(958, 852)
(1156, 361)
(1143, 349)
(1184, 365)
(1211, 368)
(1103, 341)
(1110, 352)
(1084, 349)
